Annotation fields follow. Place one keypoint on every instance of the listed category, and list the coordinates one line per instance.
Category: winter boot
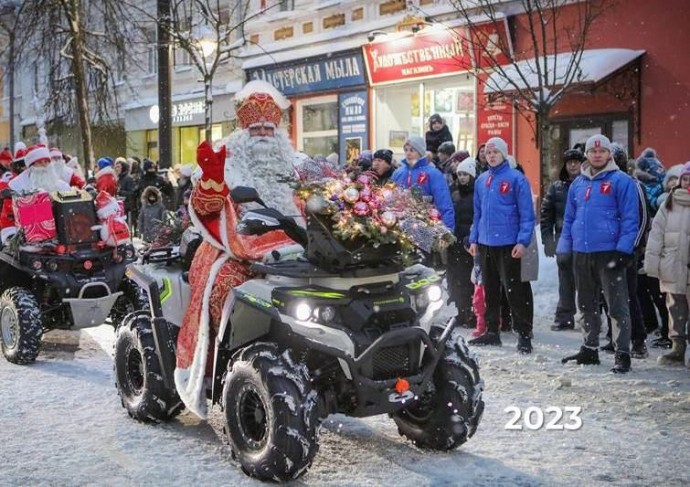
(639, 349)
(489, 338)
(621, 363)
(662, 342)
(568, 325)
(586, 356)
(524, 344)
(608, 348)
(677, 354)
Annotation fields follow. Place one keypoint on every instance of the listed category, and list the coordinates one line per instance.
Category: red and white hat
(36, 153)
(55, 153)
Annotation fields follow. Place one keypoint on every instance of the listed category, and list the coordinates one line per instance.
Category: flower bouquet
(369, 222)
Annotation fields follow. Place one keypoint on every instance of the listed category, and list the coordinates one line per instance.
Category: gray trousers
(593, 274)
(679, 313)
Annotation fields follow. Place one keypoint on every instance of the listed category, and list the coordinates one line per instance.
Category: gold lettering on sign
(334, 21)
(283, 33)
(358, 13)
(307, 27)
(391, 7)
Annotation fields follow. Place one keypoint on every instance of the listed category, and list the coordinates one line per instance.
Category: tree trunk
(79, 73)
(208, 104)
(547, 147)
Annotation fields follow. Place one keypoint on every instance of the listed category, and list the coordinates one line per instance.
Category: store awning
(594, 66)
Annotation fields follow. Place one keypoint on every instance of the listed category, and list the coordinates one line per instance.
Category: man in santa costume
(258, 154)
(40, 175)
(66, 173)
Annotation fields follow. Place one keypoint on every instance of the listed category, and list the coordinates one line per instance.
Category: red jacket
(106, 180)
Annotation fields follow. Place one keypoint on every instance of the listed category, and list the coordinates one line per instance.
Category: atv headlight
(435, 293)
(325, 313)
(302, 311)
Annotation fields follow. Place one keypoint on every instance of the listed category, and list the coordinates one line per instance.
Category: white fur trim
(20, 183)
(190, 382)
(106, 170)
(6, 233)
(35, 154)
(55, 153)
(203, 231)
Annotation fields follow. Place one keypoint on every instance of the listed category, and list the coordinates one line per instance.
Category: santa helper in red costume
(66, 173)
(39, 175)
(257, 155)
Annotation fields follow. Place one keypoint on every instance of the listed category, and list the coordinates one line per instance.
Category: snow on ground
(62, 424)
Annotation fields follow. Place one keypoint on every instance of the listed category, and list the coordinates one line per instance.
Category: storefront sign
(325, 73)
(185, 111)
(354, 129)
(435, 53)
(495, 119)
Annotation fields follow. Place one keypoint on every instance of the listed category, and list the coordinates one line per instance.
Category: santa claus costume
(106, 179)
(223, 259)
(34, 178)
(67, 174)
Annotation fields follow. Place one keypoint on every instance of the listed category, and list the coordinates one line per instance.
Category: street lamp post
(207, 44)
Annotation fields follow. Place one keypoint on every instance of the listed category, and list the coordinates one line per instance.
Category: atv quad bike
(332, 331)
(71, 282)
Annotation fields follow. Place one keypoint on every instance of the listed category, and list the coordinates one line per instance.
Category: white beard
(260, 162)
(45, 178)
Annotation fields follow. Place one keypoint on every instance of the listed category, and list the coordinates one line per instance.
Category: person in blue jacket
(501, 231)
(600, 227)
(416, 171)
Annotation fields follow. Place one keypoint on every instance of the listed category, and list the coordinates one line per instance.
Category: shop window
(152, 144)
(286, 5)
(403, 110)
(317, 125)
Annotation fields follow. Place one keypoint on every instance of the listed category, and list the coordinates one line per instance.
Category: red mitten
(211, 163)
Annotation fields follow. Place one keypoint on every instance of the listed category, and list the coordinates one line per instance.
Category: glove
(550, 247)
(211, 163)
(619, 260)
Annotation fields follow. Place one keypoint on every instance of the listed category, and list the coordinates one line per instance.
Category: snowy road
(62, 424)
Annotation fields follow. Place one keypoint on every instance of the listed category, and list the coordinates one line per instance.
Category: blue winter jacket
(601, 213)
(503, 210)
(432, 183)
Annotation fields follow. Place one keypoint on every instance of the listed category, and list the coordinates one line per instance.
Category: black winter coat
(553, 208)
(463, 202)
(434, 139)
(128, 190)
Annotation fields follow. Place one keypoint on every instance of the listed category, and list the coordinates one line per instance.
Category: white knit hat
(498, 144)
(598, 141)
(468, 166)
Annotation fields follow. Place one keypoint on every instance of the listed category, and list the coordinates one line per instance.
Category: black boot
(524, 344)
(563, 326)
(489, 338)
(639, 349)
(586, 356)
(608, 348)
(662, 342)
(621, 364)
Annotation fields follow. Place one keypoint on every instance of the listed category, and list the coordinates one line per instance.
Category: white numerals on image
(552, 418)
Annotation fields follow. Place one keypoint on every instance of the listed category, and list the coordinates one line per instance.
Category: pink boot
(479, 305)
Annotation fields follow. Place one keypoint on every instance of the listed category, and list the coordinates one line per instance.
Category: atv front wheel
(270, 413)
(447, 416)
(133, 298)
(21, 329)
(138, 374)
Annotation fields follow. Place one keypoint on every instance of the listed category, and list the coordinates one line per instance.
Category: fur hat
(598, 141)
(147, 165)
(469, 166)
(384, 155)
(498, 144)
(435, 118)
(258, 103)
(573, 154)
(685, 171)
(104, 162)
(19, 146)
(417, 143)
(36, 153)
